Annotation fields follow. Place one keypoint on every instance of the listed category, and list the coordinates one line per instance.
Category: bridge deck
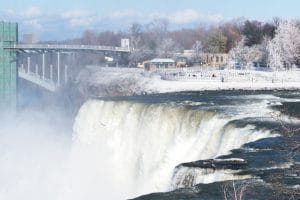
(59, 47)
(47, 84)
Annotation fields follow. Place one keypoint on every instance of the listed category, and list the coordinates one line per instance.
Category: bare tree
(89, 38)
(197, 50)
(234, 191)
(216, 42)
(167, 48)
(135, 34)
(156, 32)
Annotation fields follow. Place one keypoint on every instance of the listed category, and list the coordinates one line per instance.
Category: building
(30, 39)
(214, 59)
(188, 58)
(159, 63)
(8, 66)
(125, 43)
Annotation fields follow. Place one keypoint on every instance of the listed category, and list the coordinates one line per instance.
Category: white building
(30, 39)
(160, 63)
(125, 43)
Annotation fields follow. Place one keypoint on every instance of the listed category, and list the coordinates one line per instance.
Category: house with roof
(159, 63)
(187, 58)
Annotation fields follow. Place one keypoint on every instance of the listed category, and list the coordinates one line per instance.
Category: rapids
(135, 147)
(120, 148)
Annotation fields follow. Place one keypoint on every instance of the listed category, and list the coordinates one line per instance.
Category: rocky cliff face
(267, 169)
(95, 82)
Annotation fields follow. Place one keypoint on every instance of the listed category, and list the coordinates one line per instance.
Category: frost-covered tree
(216, 42)
(246, 55)
(197, 50)
(167, 48)
(257, 53)
(284, 48)
(275, 55)
(238, 53)
(235, 53)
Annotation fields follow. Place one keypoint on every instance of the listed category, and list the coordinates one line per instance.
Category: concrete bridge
(48, 76)
(65, 48)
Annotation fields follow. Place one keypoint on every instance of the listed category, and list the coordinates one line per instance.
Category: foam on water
(121, 149)
(135, 147)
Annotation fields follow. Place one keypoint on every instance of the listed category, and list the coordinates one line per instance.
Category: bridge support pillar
(58, 69)
(43, 66)
(28, 65)
(66, 74)
(51, 73)
(36, 69)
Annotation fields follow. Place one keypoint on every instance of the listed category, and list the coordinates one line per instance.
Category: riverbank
(103, 81)
(162, 86)
(202, 80)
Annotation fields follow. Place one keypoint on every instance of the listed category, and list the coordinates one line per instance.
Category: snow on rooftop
(162, 60)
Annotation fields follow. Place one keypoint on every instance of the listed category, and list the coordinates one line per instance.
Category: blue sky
(61, 19)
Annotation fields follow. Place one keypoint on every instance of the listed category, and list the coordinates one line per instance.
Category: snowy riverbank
(95, 81)
(176, 86)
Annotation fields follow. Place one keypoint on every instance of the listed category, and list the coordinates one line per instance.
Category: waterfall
(124, 149)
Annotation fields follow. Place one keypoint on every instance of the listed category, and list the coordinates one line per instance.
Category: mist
(33, 150)
(38, 159)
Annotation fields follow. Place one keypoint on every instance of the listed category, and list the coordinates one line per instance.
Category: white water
(188, 177)
(124, 149)
(119, 150)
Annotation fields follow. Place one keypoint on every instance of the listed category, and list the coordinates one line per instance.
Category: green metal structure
(8, 66)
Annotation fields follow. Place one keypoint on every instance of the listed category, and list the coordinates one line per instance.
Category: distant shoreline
(163, 86)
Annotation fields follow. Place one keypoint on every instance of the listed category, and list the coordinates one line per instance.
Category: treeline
(157, 35)
(275, 43)
(280, 50)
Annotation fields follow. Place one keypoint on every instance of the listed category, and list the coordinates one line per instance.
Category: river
(124, 147)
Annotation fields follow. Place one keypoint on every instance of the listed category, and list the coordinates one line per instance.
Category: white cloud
(79, 18)
(81, 22)
(214, 17)
(33, 24)
(36, 20)
(121, 14)
(30, 19)
(185, 16)
(9, 12)
(188, 16)
(31, 12)
(76, 14)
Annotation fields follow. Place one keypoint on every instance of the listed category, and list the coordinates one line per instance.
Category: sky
(66, 19)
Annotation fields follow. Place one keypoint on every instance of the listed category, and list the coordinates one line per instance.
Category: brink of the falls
(122, 149)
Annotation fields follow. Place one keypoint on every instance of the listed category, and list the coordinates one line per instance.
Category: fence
(231, 75)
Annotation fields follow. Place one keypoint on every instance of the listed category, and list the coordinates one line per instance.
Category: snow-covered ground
(136, 81)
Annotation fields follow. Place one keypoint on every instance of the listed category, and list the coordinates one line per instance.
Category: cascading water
(122, 149)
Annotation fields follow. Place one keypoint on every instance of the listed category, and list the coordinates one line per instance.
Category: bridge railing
(67, 47)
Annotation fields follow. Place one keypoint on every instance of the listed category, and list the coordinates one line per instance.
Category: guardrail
(231, 76)
(67, 47)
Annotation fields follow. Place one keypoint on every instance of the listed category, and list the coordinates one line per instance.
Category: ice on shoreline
(129, 81)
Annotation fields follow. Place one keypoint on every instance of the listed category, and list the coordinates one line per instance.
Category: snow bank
(97, 81)
(103, 81)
